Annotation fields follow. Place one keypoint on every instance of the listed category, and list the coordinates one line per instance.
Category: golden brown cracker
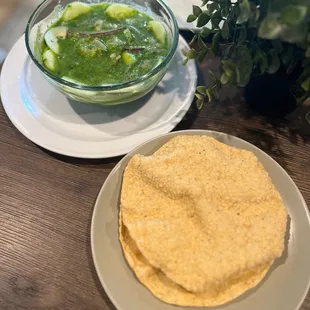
(203, 214)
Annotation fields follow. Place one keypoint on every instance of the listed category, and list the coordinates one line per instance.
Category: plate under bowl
(51, 120)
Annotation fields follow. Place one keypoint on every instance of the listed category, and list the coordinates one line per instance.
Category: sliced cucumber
(160, 60)
(120, 11)
(158, 30)
(49, 60)
(89, 47)
(74, 10)
(51, 37)
(128, 58)
(128, 35)
(99, 5)
(98, 25)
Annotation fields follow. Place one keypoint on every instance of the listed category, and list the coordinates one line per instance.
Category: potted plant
(264, 46)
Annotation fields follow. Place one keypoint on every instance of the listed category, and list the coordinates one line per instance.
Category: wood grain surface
(46, 203)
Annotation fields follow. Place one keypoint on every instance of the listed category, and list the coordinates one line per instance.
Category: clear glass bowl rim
(112, 86)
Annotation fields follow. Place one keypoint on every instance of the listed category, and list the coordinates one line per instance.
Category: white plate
(284, 287)
(181, 9)
(51, 120)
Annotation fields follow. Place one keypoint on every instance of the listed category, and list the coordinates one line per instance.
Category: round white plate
(51, 120)
(284, 287)
(181, 9)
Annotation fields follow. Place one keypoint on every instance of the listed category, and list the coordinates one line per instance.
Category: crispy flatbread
(205, 218)
(169, 292)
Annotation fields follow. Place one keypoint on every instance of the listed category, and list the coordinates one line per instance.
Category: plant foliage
(252, 37)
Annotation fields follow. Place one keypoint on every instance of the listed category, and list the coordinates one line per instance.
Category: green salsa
(103, 44)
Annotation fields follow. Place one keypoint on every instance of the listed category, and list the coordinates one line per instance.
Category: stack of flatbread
(200, 221)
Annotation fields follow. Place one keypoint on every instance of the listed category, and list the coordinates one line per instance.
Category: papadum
(201, 222)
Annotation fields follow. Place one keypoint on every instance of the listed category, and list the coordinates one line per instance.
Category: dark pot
(270, 94)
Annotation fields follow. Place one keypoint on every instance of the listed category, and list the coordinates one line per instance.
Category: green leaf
(224, 78)
(213, 7)
(242, 36)
(245, 65)
(203, 19)
(204, 2)
(215, 44)
(308, 117)
(225, 30)
(202, 90)
(274, 62)
(191, 54)
(185, 61)
(191, 18)
(296, 34)
(257, 14)
(260, 58)
(244, 54)
(270, 28)
(245, 12)
(229, 69)
(308, 52)
(199, 103)
(215, 19)
(228, 65)
(293, 14)
(209, 94)
(229, 72)
(199, 96)
(245, 72)
(205, 32)
(306, 84)
(196, 10)
(224, 12)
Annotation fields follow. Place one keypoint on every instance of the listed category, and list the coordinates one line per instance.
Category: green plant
(252, 37)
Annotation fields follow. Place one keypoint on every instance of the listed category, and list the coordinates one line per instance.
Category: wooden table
(46, 204)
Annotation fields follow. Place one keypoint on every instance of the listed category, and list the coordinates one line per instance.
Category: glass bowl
(50, 10)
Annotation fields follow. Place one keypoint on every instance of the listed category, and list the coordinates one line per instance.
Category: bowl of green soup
(104, 52)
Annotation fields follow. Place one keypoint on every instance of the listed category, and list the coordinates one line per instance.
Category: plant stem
(135, 49)
(99, 33)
